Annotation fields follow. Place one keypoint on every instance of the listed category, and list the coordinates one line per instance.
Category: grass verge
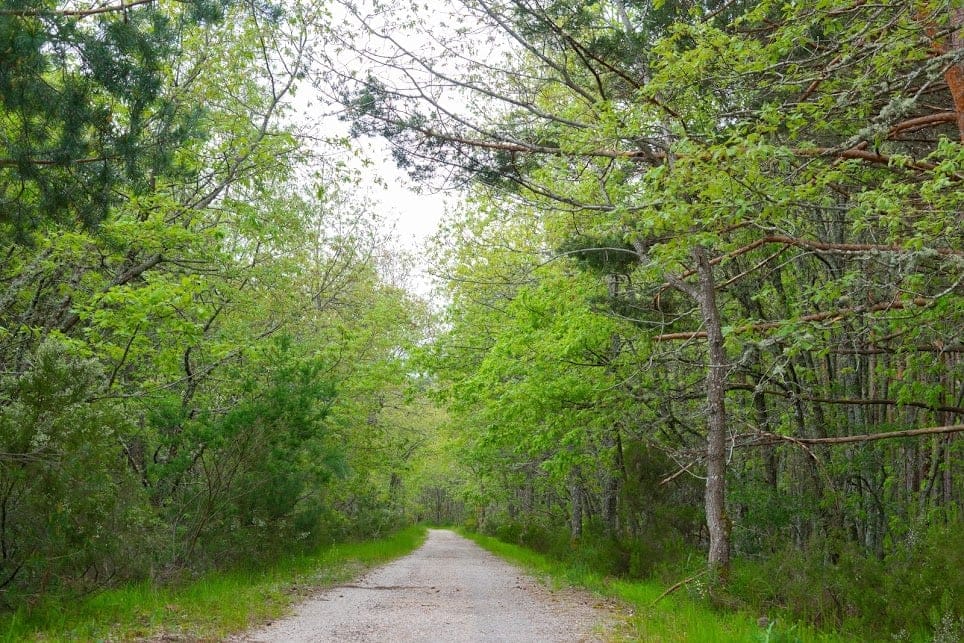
(210, 608)
(677, 617)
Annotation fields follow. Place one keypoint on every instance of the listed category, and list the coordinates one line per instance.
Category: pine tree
(84, 111)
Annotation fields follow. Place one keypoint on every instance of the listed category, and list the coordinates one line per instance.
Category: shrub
(913, 592)
(70, 505)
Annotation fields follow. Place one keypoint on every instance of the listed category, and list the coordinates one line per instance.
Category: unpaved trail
(448, 590)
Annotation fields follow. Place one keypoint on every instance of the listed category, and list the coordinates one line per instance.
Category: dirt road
(448, 590)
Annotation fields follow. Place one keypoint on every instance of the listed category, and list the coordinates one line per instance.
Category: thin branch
(74, 13)
(769, 439)
(863, 155)
(833, 315)
(677, 586)
(848, 401)
(51, 162)
(120, 362)
(121, 279)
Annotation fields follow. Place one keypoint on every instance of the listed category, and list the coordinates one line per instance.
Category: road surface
(448, 590)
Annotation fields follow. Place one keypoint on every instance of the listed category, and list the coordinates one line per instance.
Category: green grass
(210, 608)
(677, 617)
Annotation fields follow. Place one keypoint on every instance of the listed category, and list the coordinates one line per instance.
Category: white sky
(414, 216)
(410, 214)
(410, 217)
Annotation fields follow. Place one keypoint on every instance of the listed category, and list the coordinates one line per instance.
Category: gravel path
(448, 590)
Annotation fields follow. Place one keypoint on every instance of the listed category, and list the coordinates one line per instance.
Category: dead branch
(848, 401)
(832, 315)
(677, 586)
(769, 439)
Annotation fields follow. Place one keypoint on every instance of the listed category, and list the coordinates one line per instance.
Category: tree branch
(75, 13)
(767, 439)
(121, 279)
(833, 315)
(848, 401)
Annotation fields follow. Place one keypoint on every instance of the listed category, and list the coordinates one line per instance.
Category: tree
(84, 110)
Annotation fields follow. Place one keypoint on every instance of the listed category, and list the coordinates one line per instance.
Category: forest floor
(448, 590)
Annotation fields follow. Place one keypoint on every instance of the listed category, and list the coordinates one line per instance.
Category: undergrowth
(209, 607)
(824, 591)
(681, 616)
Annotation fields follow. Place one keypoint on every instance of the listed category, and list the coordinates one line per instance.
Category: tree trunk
(575, 494)
(955, 74)
(717, 522)
(611, 504)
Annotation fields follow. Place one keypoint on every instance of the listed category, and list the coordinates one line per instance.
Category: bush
(70, 505)
(913, 593)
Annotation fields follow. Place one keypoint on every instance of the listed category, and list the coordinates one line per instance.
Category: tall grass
(209, 608)
(681, 616)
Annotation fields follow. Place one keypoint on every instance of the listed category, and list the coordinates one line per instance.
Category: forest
(698, 302)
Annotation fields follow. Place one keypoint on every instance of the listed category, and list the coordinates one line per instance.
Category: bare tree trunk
(769, 454)
(717, 521)
(528, 493)
(955, 74)
(611, 503)
(575, 494)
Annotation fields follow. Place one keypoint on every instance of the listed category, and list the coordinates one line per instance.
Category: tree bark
(717, 522)
(575, 494)
(955, 74)
(771, 438)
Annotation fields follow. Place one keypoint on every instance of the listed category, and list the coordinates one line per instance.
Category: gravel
(448, 590)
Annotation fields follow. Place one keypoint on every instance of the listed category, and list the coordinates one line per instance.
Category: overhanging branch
(75, 13)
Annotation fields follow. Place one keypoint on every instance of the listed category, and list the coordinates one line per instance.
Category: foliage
(68, 504)
(196, 343)
(83, 109)
(867, 597)
(719, 241)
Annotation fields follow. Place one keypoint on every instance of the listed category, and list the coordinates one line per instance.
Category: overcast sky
(409, 216)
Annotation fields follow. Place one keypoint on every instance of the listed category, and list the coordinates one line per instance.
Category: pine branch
(75, 13)
(51, 162)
